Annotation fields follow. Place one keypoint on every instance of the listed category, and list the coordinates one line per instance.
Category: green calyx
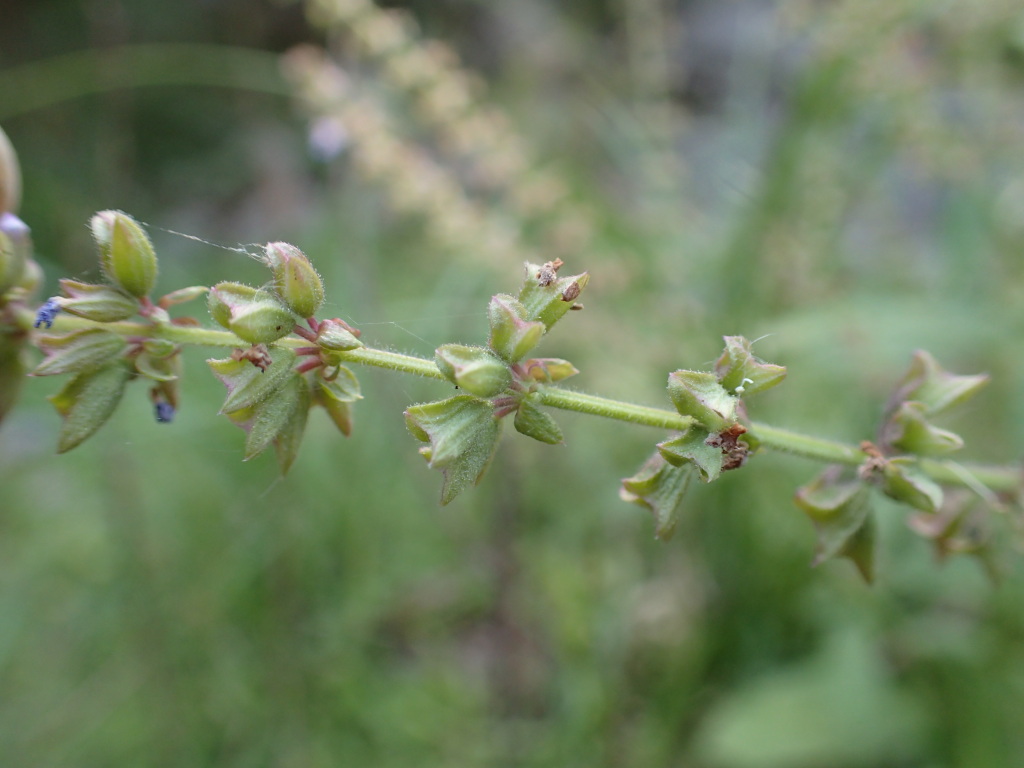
(255, 316)
(546, 297)
(101, 303)
(840, 511)
(296, 283)
(462, 433)
(474, 369)
(512, 335)
(126, 254)
(78, 351)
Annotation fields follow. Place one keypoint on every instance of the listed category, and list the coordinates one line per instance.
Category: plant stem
(613, 409)
(805, 445)
(998, 479)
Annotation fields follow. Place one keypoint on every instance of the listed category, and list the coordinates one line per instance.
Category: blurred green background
(845, 178)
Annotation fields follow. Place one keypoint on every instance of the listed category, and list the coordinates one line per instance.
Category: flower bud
(549, 369)
(698, 394)
(126, 255)
(12, 263)
(474, 369)
(296, 283)
(10, 176)
(102, 303)
(31, 278)
(78, 351)
(262, 322)
(254, 316)
(224, 297)
(512, 336)
(335, 336)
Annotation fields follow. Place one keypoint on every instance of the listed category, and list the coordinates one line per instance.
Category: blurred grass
(162, 603)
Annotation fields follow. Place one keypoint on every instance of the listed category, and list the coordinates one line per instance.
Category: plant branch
(998, 479)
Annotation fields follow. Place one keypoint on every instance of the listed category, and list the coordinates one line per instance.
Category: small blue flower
(164, 412)
(47, 313)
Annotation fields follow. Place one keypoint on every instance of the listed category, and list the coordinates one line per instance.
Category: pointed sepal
(246, 383)
(840, 511)
(87, 401)
(660, 488)
(280, 420)
(903, 481)
(908, 430)
(101, 303)
(938, 390)
(463, 435)
(741, 373)
(693, 447)
(534, 422)
(78, 351)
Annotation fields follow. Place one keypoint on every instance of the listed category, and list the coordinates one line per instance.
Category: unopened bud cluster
(101, 359)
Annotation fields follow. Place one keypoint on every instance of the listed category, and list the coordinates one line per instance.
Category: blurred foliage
(844, 178)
